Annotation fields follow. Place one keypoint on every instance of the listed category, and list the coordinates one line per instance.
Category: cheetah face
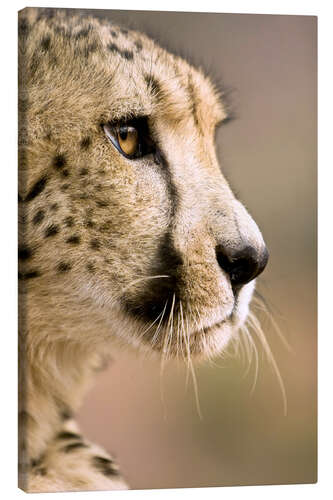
(128, 212)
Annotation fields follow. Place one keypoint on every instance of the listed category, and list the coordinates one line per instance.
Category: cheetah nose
(242, 265)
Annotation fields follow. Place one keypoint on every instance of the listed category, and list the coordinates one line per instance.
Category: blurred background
(268, 66)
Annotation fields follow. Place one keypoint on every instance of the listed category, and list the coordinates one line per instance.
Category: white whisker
(260, 304)
(254, 322)
(145, 278)
(154, 339)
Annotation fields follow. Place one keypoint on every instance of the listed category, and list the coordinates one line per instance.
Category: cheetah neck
(57, 365)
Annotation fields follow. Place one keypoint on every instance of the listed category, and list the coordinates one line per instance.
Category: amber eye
(128, 140)
(132, 139)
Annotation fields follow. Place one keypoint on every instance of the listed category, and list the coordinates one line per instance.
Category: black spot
(83, 33)
(114, 34)
(29, 275)
(74, 446)
(41, 471)
(51, 230)
(47, 13)
(127, 54)
(54, 207)
(65, 173)
(83, 171)
(69, 221)
(37, 461)
(105, 466)
(64, 267)
(85, 143)
(101, 172)
(38, 217)
(24, 253)
(37, 188)
(64, 32)
(45, 43)
(92, 47)
(48, 136)
(73, 240)
(66, 414)
(102, 203)
(68, 435)
(114, 48)
(59, 161)
(64, 187)
(95, 244)
(138, 45)
(89, 223)
(23, 26)
(90, 267)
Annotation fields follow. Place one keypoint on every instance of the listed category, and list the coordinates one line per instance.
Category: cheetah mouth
(213, 329)
(206, 330)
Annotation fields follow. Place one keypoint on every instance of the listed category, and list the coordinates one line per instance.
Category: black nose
(242, 265)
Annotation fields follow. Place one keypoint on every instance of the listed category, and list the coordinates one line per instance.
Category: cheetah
(129, 234)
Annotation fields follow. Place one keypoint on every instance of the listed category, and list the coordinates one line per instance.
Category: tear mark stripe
(68, 435)
(28, 275)
(74, 446)
(36, 189)
(105, 466)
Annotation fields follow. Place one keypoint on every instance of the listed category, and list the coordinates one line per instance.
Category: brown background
(269, 156)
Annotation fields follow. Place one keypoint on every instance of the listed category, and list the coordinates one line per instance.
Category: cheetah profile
(128, 231)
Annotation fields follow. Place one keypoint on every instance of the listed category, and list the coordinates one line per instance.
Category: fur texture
(113, 249)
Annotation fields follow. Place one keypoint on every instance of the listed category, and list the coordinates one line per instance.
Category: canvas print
(167, 249)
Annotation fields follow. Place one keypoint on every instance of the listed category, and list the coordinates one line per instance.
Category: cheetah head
(129, 223)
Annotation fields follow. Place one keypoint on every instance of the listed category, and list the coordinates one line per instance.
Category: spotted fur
(114, 250)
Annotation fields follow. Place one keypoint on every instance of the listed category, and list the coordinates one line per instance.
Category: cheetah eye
(131, 139)
(128, 140)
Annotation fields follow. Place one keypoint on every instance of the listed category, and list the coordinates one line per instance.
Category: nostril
(242, 265)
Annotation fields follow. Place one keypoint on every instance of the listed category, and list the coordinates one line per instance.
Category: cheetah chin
(128, 230)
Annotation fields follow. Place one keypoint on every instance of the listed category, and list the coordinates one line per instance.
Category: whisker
(254, 322)
(260, 303)
(254, 352)
(187, 344)
(154, 339)
(144, 278)
(141, 334)
(192, 371)
(170, 328)
(167, 336)
(182, 329)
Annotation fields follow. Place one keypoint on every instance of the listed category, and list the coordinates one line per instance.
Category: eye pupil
(123, 131)
(128, 140)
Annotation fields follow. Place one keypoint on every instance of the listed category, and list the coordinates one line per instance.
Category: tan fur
(95, 229)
